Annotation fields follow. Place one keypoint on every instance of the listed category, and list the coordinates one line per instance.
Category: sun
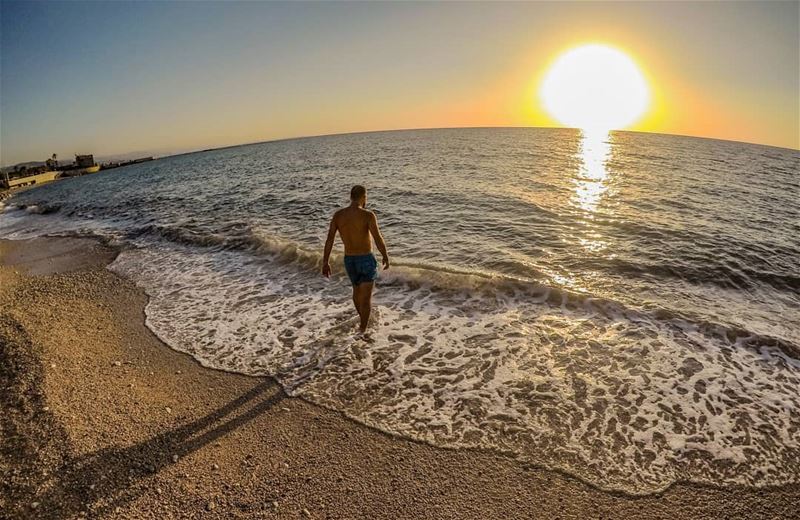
(595, 87)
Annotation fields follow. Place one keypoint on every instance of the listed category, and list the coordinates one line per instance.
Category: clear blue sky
(158, 77)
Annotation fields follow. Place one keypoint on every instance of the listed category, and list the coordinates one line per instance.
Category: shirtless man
(355, 225)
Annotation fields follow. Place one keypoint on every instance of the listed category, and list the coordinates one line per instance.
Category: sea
(620, 307)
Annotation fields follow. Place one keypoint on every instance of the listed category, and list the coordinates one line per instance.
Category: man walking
(355, 225)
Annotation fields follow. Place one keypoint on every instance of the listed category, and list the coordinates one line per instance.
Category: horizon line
(357, 132)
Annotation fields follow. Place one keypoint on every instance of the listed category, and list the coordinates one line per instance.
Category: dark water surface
(623, 307)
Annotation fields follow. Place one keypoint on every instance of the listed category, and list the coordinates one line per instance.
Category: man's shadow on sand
(115, 472)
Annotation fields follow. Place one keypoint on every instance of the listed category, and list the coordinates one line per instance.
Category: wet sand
(100, 419)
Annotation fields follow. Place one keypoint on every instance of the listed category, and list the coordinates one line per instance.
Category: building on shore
(37, 173)
(33, 178)
(86, 163)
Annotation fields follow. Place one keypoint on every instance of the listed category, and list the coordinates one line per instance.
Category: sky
(119, 78)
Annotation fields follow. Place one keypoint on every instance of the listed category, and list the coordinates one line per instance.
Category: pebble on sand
(174, 458)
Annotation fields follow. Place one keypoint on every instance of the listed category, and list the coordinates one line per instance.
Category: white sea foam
(618, 398)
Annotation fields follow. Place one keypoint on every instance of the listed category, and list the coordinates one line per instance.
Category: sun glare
(596, 88)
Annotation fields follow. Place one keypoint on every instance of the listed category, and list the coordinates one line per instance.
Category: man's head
(358, 194)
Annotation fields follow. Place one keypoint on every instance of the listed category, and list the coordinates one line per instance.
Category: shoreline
(101, 419)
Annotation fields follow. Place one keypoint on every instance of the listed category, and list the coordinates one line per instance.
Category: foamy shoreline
(102, 409)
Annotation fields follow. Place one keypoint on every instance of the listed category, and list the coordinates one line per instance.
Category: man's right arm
(326, 266)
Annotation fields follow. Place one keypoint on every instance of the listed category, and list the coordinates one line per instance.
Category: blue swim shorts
(361, 268)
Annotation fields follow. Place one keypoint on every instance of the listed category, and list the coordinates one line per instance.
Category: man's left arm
(376, 234)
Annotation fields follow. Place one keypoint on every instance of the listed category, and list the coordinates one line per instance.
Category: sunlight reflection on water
(591, 182)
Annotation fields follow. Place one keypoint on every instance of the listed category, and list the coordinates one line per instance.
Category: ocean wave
(409, 275)
(34, 209)
(412, 276)
(728, 274)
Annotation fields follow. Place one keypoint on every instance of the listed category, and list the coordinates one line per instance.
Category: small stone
(275, 504)
(52, 365)
(169, 410)
(174, 458)
(306, 513)
(117, 363)
(92, 486)
(178, 372)
(215, 467)
(158, 490)
(34, 505)
(285, 465)
(210, 506)
(285, 409)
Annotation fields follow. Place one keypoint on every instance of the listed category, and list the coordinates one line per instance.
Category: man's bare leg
(357, 301)
(362, 294)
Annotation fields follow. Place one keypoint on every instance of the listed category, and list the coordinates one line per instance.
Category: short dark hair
(357, 192)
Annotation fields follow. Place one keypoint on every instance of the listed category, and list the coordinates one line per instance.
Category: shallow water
(625, 308)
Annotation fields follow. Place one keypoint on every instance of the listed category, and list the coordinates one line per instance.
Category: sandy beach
(102, 420)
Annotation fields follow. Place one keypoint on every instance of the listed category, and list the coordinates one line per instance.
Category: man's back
(353, 225)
